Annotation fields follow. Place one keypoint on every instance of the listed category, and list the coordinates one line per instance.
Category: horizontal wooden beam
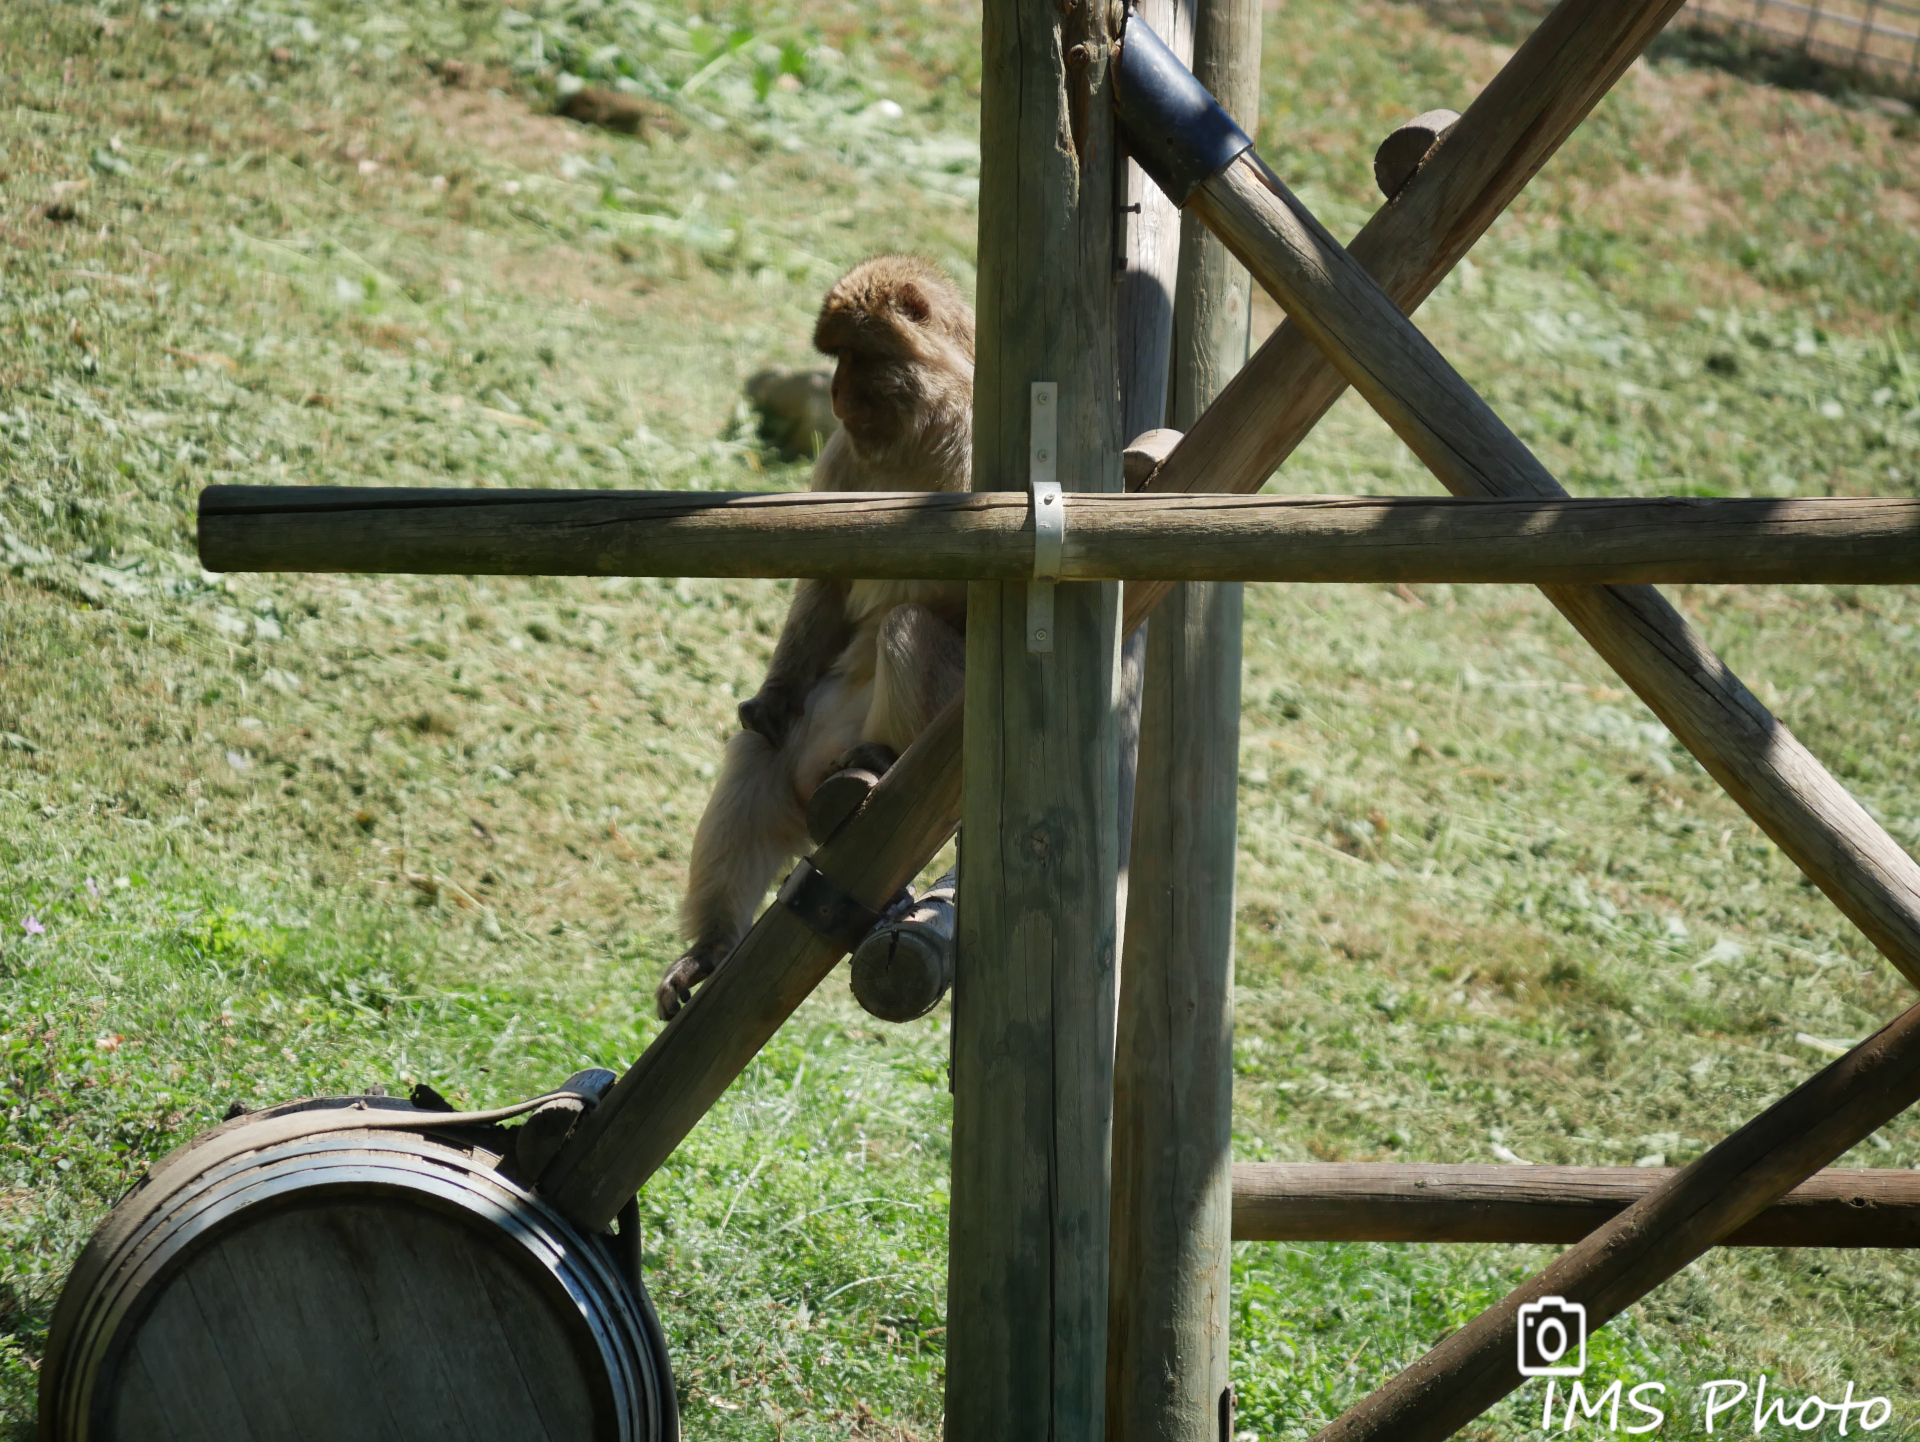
(1396, 1202)
(989, 535)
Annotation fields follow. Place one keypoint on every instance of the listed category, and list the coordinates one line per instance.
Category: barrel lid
(249, 1132)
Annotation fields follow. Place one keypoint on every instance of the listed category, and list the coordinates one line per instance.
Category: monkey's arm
(817, 630)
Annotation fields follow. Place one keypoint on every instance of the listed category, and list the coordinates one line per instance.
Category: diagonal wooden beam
(1655, 1237)
(1524, 115)
(1367, 337)
(1556, 77)
(658, 1100)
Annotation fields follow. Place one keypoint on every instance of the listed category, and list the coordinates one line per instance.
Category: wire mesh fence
(1870, 46)
(1875, 39)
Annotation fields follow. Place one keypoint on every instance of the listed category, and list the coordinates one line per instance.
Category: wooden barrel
(351, 1270)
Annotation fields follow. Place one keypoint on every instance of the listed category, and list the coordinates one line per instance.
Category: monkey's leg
(919, 668)
(754, 823)
(836, 711)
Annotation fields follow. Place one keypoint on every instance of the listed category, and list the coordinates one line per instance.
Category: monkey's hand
(772, 711)
(695, 965)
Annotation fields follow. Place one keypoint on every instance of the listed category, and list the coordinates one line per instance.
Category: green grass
(262, 836)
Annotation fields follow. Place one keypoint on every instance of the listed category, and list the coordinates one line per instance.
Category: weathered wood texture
(1402, 152)
(1149, 259)
(1173, 1085)
(1173, 1074)
(1033, 995)
(1578, 51)
(1775, 779)
(1143, 322)
(1514, 126)
(1849, 541)
(838, 798)
(621, 1142)
(902, 968)
(1416, 1202)
(1654, 1238)
(1213, 301)
(312, 1289)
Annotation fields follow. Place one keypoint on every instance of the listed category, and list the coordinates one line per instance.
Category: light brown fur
(864, 664)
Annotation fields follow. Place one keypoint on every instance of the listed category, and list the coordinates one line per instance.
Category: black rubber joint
(828, 908)
(1175, 130)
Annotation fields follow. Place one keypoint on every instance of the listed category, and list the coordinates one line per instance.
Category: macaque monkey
(860, 667)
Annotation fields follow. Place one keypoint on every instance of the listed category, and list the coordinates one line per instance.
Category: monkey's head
(903, 337)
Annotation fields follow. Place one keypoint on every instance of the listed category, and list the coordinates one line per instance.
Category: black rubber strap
(1175, 130)
(831, 911)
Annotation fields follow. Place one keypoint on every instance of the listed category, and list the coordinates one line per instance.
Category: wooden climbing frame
(1030, 1333)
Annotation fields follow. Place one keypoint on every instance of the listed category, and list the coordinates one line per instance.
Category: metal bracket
(1049, 511)
(826, 907)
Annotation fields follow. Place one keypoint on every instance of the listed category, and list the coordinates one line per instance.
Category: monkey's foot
(695, 965)
(849, 782)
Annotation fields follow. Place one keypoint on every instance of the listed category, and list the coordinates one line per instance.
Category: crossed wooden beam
(1347, 324)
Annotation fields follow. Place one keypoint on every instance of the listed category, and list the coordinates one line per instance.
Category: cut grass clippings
(263, 836)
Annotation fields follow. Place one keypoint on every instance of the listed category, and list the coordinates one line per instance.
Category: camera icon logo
(1553, 1338)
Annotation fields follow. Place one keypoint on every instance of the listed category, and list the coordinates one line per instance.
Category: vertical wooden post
(1034, 991)
(1173, 1101)
(1151, 227)
(1213, 304)
(1173, 1084)
(1149, 272)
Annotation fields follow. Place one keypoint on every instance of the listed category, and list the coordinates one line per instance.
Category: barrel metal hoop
(578, 1273)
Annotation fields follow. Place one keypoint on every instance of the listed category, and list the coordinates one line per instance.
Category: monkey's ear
(912, 303)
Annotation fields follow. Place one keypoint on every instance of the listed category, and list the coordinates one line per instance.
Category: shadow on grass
(1781, 64)
(1756, 59)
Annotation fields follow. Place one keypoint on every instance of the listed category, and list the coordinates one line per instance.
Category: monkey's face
(902, 338)
(875, 396)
